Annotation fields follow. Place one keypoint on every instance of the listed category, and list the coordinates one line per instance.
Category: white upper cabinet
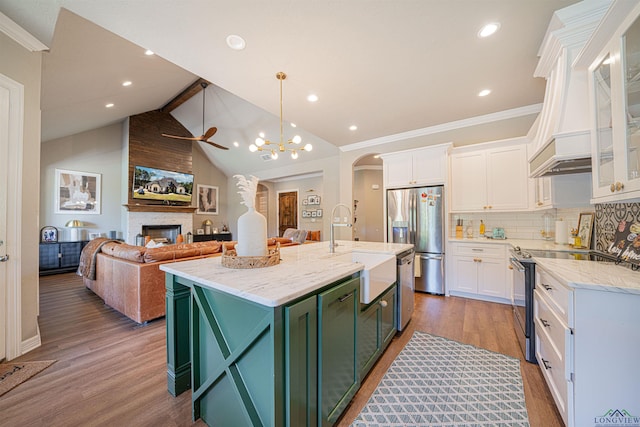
(614, 82)
(491, 178)
(413, 168)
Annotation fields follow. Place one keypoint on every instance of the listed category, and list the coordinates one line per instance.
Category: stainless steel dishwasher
(406, 287)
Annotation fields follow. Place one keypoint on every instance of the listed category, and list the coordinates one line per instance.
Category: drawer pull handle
(345, 297)
(545, 323)
(546, 364)
(383, 303)
(547, 287)
(477, 250)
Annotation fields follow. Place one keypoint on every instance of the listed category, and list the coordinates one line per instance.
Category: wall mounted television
(162, 185)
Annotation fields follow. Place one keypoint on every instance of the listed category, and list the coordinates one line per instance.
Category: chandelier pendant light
(282, 146)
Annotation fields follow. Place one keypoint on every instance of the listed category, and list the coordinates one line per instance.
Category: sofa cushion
(124, 251)
(172, 252)
(314, 235)
(284, 241)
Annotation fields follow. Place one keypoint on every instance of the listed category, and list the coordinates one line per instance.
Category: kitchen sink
(379, 272)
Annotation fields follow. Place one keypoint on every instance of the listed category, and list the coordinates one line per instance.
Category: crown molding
(20, 35)
(446, 127)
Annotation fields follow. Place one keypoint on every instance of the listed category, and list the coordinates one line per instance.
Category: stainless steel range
(524, 278)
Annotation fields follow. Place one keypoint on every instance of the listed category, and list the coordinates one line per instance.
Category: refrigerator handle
(413, 218)
(437, 257)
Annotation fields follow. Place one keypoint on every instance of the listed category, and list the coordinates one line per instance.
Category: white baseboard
(31, 343)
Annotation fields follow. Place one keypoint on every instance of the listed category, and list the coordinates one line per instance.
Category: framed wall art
(585, 228)
(207, 199)
(313, 200)
(77, 192)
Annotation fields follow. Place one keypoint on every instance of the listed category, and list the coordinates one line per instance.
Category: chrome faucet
(332, 238)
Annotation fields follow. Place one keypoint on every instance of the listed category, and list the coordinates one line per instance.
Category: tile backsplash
(528, 225)
(517, 225)
(608, 215)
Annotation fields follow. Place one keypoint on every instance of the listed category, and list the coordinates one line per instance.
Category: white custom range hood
(562, 135)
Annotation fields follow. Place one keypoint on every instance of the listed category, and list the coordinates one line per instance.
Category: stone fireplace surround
(135, 221)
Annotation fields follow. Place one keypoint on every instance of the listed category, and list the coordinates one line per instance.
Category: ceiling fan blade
(222, 147)
(181, 137)
(210, 132)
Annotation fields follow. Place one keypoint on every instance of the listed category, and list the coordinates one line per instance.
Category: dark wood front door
(287, 211)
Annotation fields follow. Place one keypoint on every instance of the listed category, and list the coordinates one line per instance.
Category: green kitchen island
(286, 345)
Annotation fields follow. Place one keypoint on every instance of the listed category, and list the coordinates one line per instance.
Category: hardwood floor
(111, 371)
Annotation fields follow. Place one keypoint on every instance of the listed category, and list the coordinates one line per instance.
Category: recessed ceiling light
(377, 156)
(293, 125)
(236, 42)
(261, 134)
(353, 127)
(236, 144)
(489, 29)
(127, 83)
(484, 92)
(148, 52)
(312, 98)
(109, 105)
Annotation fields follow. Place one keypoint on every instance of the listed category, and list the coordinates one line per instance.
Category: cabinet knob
(539, 203)
(619, 186)
(477, 260)
(612, 188)
(510, 267)
(383, 303)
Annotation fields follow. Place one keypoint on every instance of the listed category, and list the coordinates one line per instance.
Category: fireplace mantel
(160, 208)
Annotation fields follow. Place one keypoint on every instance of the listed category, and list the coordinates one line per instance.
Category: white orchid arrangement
(248, 188)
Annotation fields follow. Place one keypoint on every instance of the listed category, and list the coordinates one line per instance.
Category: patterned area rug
(438, 382)
(13, 374)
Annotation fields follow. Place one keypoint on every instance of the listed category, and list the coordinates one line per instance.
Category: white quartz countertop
(302, 270)
(533, 244)
(595, 275)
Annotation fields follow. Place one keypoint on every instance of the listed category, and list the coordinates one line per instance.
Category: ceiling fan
(205, 135)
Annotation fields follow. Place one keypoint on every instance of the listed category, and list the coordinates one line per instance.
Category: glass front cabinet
(614, 79)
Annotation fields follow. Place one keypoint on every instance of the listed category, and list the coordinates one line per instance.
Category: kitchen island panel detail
(234, 362)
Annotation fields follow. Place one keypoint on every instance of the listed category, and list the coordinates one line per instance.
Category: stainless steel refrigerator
(416, 215)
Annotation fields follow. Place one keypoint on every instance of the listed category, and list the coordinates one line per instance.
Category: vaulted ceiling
(410, 67)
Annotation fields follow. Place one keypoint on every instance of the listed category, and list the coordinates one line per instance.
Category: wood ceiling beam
(184, 96)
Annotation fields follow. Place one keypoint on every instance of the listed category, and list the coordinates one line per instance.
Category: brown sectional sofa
(128, 278)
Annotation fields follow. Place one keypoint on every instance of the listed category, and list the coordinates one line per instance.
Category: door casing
(11, 137)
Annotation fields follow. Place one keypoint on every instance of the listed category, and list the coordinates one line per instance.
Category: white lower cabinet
(587, 345)
(479, 270)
